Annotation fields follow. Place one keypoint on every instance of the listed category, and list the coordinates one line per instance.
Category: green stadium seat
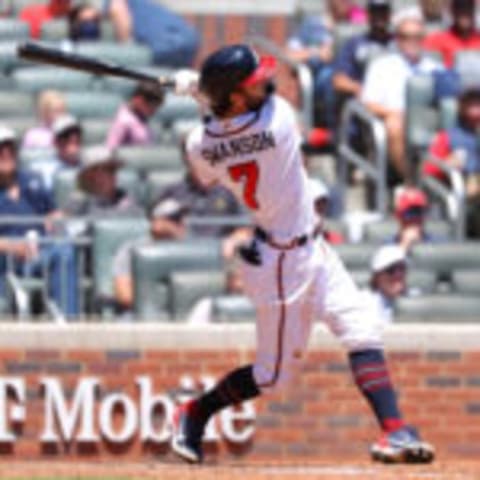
(37, 79)
(13, 29)
(9, 59)
(108, 236)
(448, 113)
(438, 308)
(446, 258)
(16, 104)
(93, 104)
(233, 308)
(18, 5)
(467, 282)
(95, 131)
(28, 156)
(189, 287)
(356, 256)
(156, 182)
(177, 108)
(379, 232)
(65, 187)
(20, 124)
(155, 157)
(181, 128)
(153, 266)
(5, 82)
(128, 54)
(55, 30)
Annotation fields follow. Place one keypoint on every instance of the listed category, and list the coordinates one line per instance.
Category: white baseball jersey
(257, 157)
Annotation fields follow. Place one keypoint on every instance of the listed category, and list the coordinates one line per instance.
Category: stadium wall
(109, 388)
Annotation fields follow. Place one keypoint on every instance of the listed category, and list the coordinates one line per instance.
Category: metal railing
(452, 196)
(375, 168)
(301, 71)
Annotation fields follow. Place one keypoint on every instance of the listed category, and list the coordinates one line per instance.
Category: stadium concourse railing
(19, 287)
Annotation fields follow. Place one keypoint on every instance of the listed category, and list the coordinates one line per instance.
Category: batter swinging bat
(53, 56)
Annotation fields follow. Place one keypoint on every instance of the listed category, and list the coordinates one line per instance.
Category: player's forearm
(343, 83)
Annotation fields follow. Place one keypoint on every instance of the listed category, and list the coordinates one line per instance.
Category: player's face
(391, 282)
(8, 164)
(255, 95)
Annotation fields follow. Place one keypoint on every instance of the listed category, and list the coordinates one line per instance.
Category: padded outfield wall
(100, 391)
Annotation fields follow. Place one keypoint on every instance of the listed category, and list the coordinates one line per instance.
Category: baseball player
(251, 145)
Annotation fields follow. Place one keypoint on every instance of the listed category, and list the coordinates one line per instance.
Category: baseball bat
(53, 56)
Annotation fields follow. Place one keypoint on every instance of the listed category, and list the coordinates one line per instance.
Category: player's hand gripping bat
(40, 53)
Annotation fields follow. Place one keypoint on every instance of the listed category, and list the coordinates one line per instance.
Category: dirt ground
(162, 471)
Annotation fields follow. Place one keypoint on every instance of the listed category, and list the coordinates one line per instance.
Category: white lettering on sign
(119, 417)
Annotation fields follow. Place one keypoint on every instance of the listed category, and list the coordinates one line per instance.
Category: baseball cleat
(186, 436)
(402, 446)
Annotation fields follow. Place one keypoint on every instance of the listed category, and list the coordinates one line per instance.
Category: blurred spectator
(384, 90)
(166, 223)
(321, 199)
(84, 23)
(203, 310)
(353, 58)
(173, 41)
(50, 105)
(97, 178)
(388, 280)
(37, 14)
(209, 202)
(462, 34)
(312, 44)
(433, 10)
(459, 147)
(130, 125)
(22, 194)
(345, 11)
(67, 133)
(411, 206)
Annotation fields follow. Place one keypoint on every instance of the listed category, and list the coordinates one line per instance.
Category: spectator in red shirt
(462, 35)
(36, 15)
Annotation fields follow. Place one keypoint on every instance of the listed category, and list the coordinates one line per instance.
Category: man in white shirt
(384, 90)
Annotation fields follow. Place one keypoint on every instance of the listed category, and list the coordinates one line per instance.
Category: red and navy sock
(372, 378)
(238, 386)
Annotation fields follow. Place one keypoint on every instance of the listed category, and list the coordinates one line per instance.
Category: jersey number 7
(249, 172)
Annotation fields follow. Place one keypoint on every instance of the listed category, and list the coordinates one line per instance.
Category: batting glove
(186, 82)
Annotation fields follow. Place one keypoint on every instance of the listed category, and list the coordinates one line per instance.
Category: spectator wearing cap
(23, 194)
(130, 125)
(321, 204)
(208, 202)
(384, 89)
(459, 147)
(388, 280)
(97, 179)
(411, 206)
(37, 14)
(312, 44)
(166, 224)
(67, 133)
(50, 106)
(462, 34)
(353, 58)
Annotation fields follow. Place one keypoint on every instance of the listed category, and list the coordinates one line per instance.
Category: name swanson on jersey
(234, 147)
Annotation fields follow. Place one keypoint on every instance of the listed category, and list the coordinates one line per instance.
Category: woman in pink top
(130, 126)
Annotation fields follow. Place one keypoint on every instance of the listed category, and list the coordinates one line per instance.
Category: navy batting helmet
(229, 68)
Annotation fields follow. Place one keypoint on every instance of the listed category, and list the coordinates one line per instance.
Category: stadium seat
(233, 308)
(41, 78)
(108, 236)
(55, 30)
(93, 104)
(181, 128)
(13, 29)
(189, 287)
(18, 5)
(16, 104)
(153, 266)
(9, 59)
(65, 187)
(128, 54)
(177, 108)
(356, 256)
(446, 258)
(438, 308)
(95, 130)
(380, 232)
(19, 124)
(157, 181)
(467, 282)
(153, 157)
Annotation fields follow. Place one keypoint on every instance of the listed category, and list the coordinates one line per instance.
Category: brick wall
(323, 417)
